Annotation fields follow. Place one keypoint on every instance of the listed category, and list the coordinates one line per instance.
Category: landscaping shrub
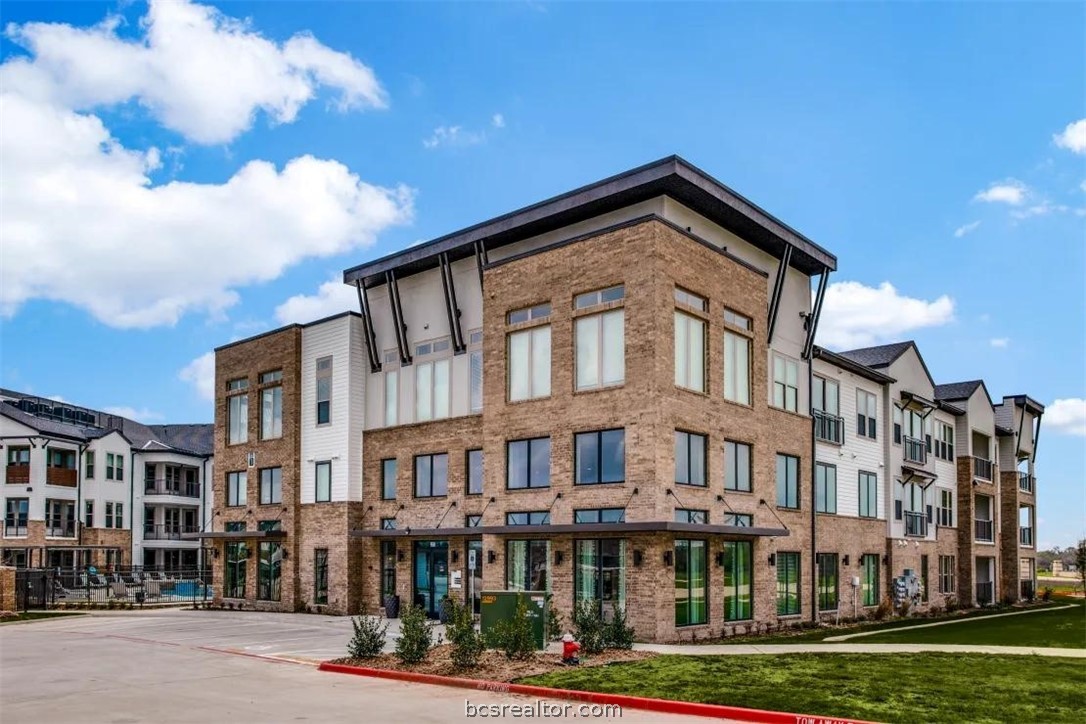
(884, 609)
(903, 610)
(369, 638)
(588, 628)
(467, 643)
(617, 634)
(416, 636)
(554, 620)
(1046, 595)
(514, 635)
(951, 604)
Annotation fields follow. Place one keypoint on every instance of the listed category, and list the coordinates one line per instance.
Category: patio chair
(152, 589)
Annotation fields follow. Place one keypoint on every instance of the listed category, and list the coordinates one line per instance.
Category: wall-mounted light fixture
(772, 559)
(491, 556)
(885, 560)
(668, 557)
(844, 560)
(638, 557)
(720, 558)
(400, 556)
(455, 556)
(559, 556)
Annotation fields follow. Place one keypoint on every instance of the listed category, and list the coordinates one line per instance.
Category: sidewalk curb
(665, 706)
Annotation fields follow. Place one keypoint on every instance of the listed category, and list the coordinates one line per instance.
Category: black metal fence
(117, 587)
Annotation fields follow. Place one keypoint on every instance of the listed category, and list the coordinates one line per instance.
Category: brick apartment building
(612, 395)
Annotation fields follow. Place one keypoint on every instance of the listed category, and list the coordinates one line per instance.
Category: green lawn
(876, 687)
(37, 615)
(1065, 628)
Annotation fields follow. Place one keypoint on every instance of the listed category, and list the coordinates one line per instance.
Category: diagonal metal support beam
(481, 260)
(816, 312)
(451, 308)
(397, 317)
(372, 352)
(778, 290)
(1036, 437)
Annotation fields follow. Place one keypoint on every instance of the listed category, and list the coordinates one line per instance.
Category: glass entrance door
(431, 575)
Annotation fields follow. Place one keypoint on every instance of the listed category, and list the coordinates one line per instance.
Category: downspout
(131, 503)
(814, 516)
(78, 494)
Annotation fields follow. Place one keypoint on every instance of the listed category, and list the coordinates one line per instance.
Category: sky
(177, 176)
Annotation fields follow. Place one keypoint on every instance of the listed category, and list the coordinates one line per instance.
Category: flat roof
(671, 176)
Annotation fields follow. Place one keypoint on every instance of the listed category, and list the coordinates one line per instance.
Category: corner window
(787, 481)
(737, 466)
(528, 463)
(388, 479)
(690, 458)
(323, 479)
(785, 383)
(431, 475)
(600, 457)
(324, 390)
(474, 465)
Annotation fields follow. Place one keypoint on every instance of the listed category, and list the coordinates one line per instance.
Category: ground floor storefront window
(320, 575)
(691, 583)
(827, 581)
(788, 584)
(388, 570)
(237, 555)
(526, 565)
(269, 572)
(601, 574)
(738, 581)
(869, 582)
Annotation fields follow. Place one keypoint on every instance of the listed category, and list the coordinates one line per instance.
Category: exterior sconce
(400, 556)
(638, 557)
(667, 558)
(455, 556)
(491, 556)
(844, 561)
(885, 560)
(559, 556)
(772, 559)
(286, 554)
(720, 559)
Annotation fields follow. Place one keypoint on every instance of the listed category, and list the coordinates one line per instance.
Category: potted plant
(392, 606)
(444, 610)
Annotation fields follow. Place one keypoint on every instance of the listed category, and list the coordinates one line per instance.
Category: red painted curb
(665, 706)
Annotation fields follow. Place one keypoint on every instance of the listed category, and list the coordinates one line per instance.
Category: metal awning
(657, 526)
(915, 399)
(236, 535)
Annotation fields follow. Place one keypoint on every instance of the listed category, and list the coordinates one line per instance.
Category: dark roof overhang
(671, 176)
(952, 409)
(1032, 406)
(852, 366)
(915, 399)
(595, 528)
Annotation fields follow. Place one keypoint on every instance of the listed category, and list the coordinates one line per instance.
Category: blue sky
(154, 203)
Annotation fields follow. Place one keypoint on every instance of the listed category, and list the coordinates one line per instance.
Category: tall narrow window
(825, 488)
(827, 581)
(785, 383)
(474, 465)
(787, 481)
(898, 421)
(119, 468)
(237, 556)
(528, 463)
(691, 583)
(269, 570)
(323, 479)
(320, 576)
(236, 488)
(946, 574)
(738, 581)
(689, 351)
(869, 583)
(88, 464)
(529, 357)
(271, 486)
(865, 414)
(601, 343)
(737, 466)
(324, 390)
(271, 411)
(946, 508)
(690, 458)
(600, 574)
(527, 565)
(392, 397)
(431, 381)
(826, 406)
(600, 457)
(736, 360)
(869, 495)
(788, 601)
(388, 479)
(476, 365)
(89, 518)
(237, 411)
(431, 475)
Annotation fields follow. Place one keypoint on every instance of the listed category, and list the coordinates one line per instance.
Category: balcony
(982, 468)
(168, 531)
(64, 529)
(916, 451)
(829, 428)
(916, 525)
(162, 486)
(982, 530)
(18, 475)
(68, 477)
(15, 530)
(1026, 482)
(985, 592)
(1025, 536)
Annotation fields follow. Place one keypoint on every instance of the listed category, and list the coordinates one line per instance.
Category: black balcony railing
(915, 451)
(60, 530)
(985, 593)
(916, 524)
(15, 530)
(1026, 482)
(982, 468)
(983, 530)
(1025, 536)
(167, 531)
(829, 428)
(162, 486)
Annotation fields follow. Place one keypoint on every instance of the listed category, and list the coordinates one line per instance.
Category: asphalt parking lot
(185, 666)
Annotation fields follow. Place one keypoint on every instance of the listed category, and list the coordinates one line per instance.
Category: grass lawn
(37, 615)
(1064, 628)
(876, 687)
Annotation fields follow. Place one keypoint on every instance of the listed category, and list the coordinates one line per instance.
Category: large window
(600, 457)
(600, 574)
(431, 381)
(787, 481)
(788, 600)
(15, 516)
(866, 406)
(946, 574)
(320, 576)
(237, 555)
(269, 576)
(825, 488)
(600, 515)
(528, 517)
(527, 566)
(601, 344)
(946, 508)
(237, 416)
(737, 468)
(691, 583)
(738, 581)
(689, 351)
(474, 464)
(388, 479)
(271, 406)
(237, 488)
(323, 481)
(529, 357)
(528, 463)
(827, 581)
(271, 486)
(944, 441)
(869, 581)
(826, 408)
(869, 495)
(324, 390)
(690, 458)
(785, 383)
(736, 357)
(431, 475)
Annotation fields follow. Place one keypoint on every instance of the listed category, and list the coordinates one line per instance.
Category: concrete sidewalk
(848, 648)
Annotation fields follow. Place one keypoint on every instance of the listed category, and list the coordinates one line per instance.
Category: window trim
(870, 422)
(785, 387)
(862, 477)
(528, 462)
(747, 338)
(597, 319)
(688, 318)
(322, 374)
(240, 479)
(750, 467)
(271, 500)
(734, 591)
(395, 476)
(467, 471)
(704, 455)
(826, 467)
(689, 586)
(415, 474)
(822, 578)
(798, 583)
(316, 481)
(798, 482)
(598, 434)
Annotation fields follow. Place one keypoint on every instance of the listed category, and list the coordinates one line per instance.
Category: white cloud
(140, 415)
(1042, 209)
(1073, 138)
(1067, 416)
(498, 120)
(84, 224)
(197, 71)
(454, 136)
(332, 297)
(999, 342)
(55, 398)
(200, 373)
(855, 315)
(1011, 192)
(966, 229)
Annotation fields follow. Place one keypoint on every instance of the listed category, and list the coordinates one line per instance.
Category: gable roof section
(852, 366)
(885, 355)
(957, 390)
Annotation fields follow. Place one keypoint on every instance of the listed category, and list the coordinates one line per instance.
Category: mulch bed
(493, 665)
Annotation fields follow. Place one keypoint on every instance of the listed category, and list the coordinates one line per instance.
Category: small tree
(514, 635)
(554, 620)
(416, 636)
(617, 634)
(369, 638)
(467, 643)
(1080, 561)
(588, 627)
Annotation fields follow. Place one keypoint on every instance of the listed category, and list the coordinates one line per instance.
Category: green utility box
(502, 605)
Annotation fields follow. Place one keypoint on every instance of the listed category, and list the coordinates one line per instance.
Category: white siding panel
(326, 442)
